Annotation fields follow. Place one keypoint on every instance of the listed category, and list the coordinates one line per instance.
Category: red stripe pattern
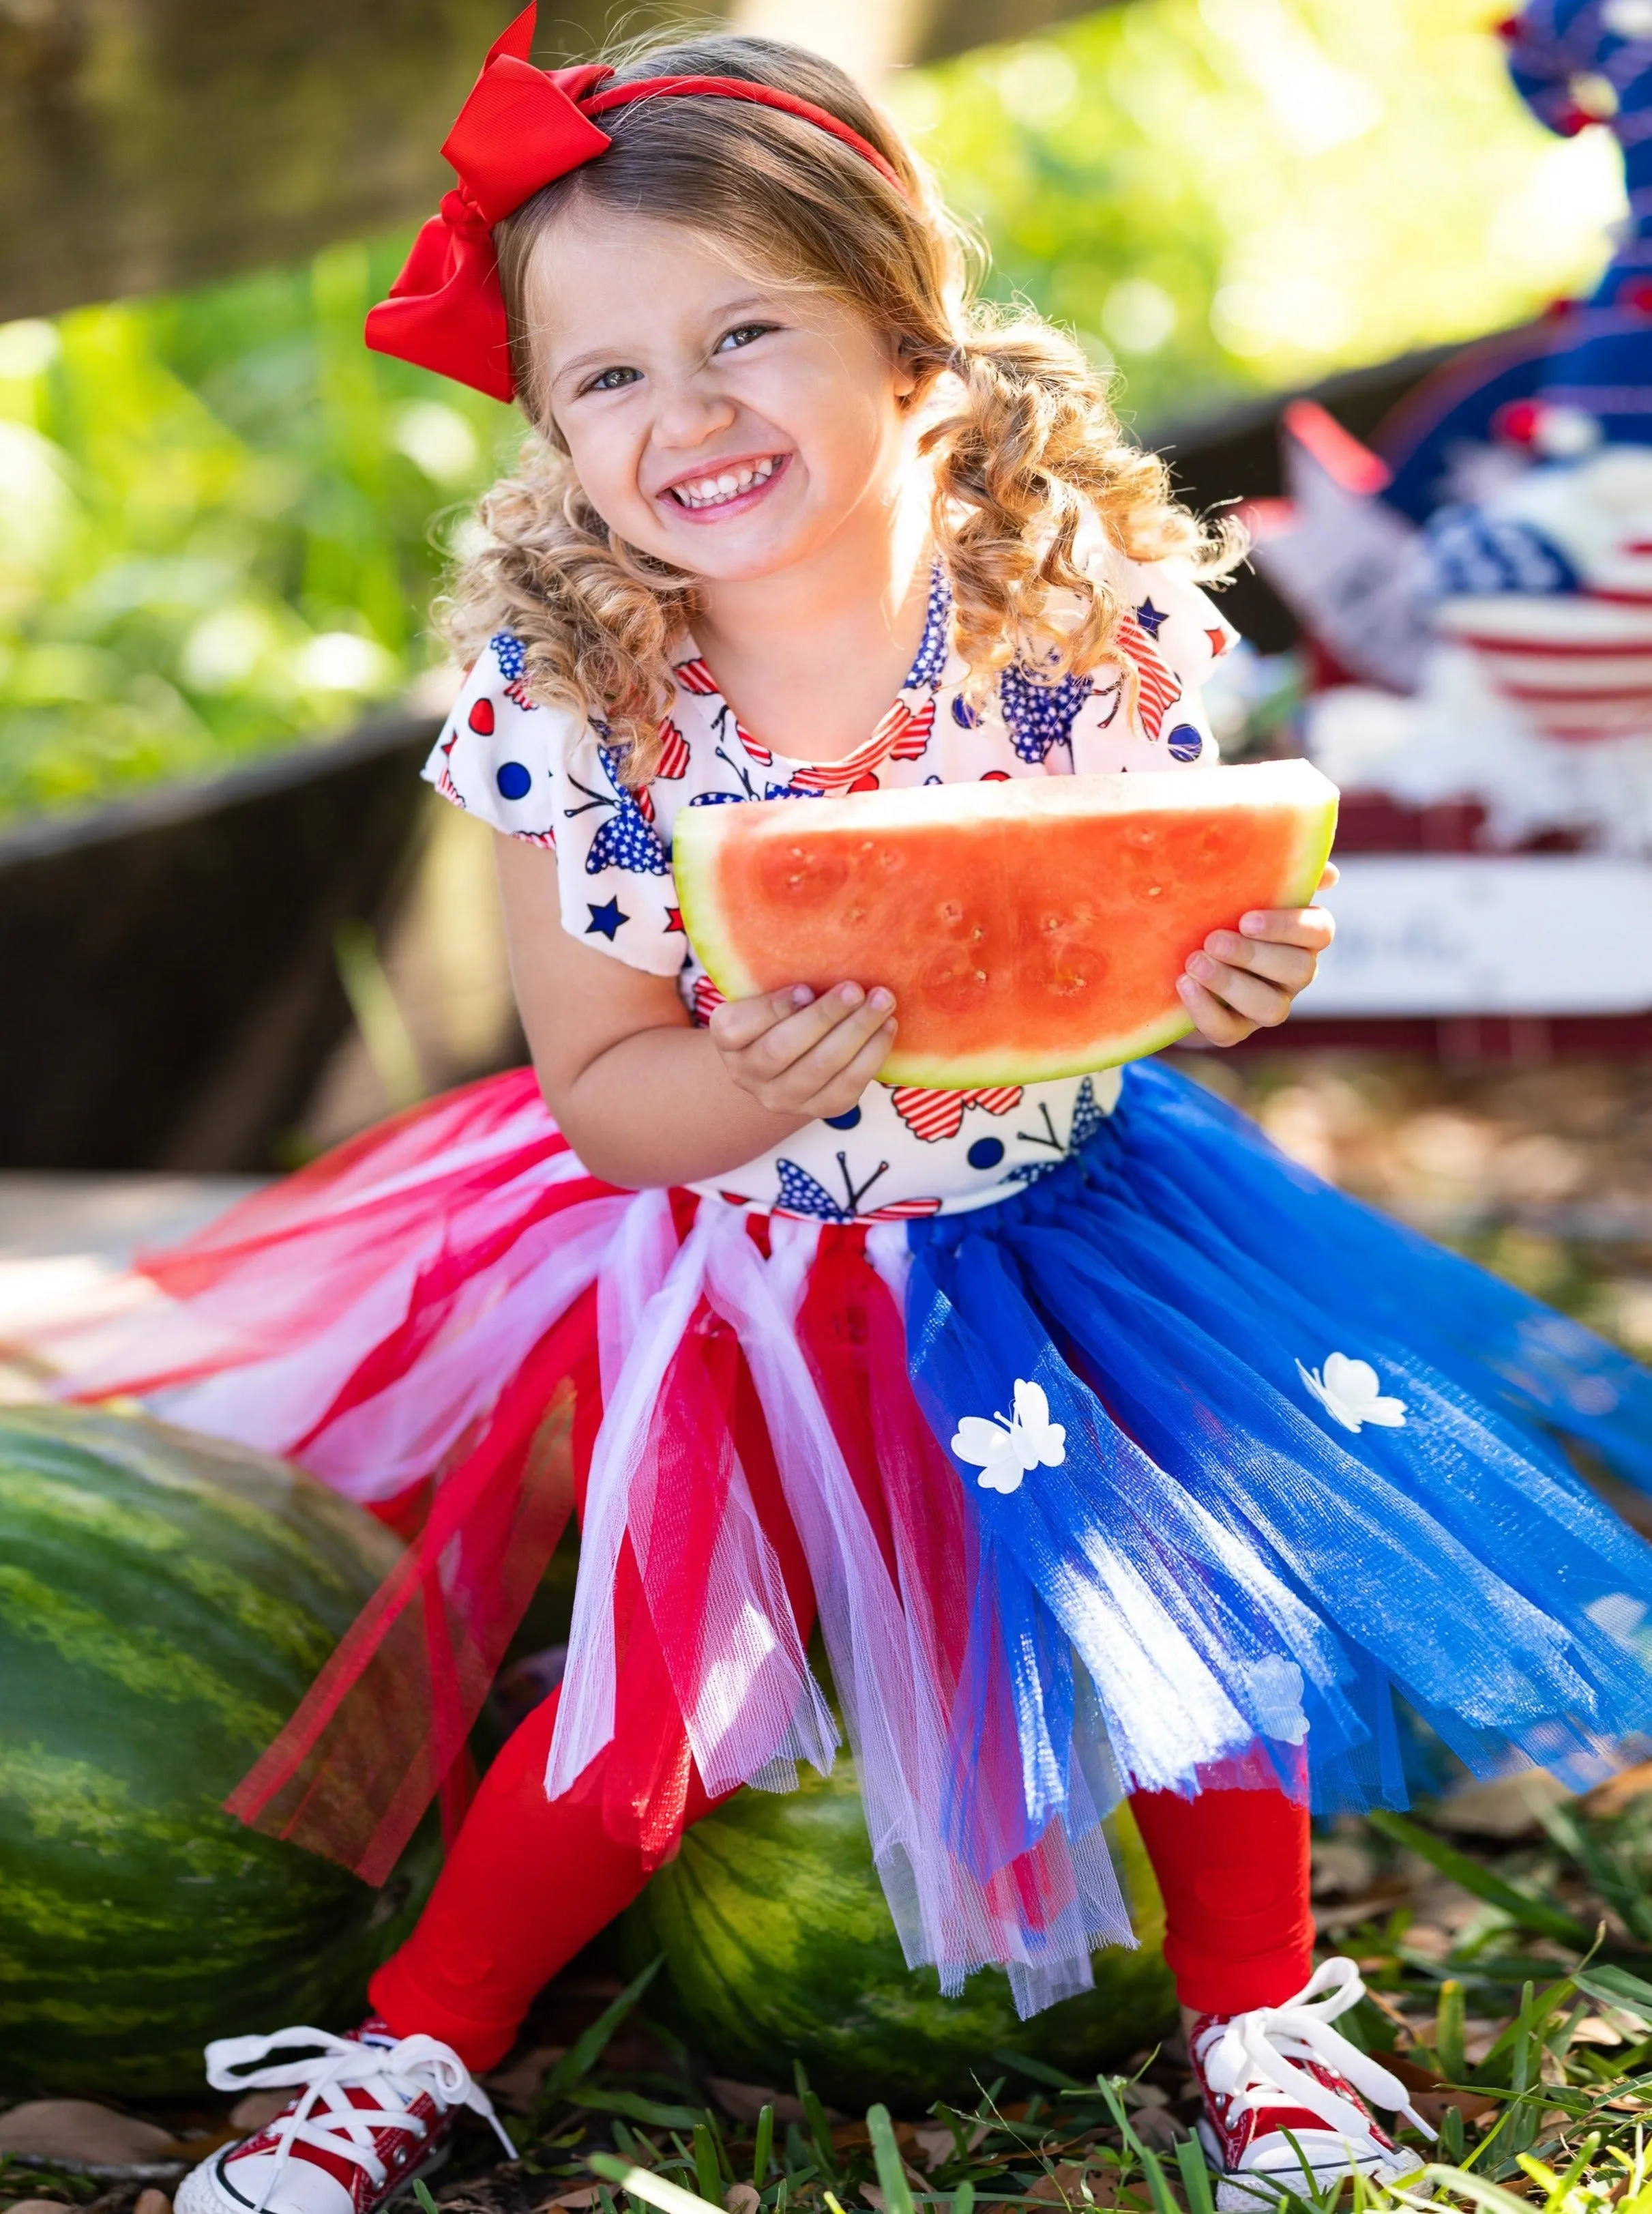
(901, 736)
(1156, 690)
(673, 752)
(932, 1115)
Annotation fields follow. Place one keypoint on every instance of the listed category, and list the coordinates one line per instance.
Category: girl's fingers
(737, 1023)
(1260, 1002)
(1311, 927)
(780, 1047)
(1291, 966)
(841, 1094)
(825, 1061)
(1212, 1019)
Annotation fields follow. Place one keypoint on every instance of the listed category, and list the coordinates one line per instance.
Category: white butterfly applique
(1351, 1394)
(1004, 1450)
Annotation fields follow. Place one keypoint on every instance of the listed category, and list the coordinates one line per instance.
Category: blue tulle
(1241, 1548)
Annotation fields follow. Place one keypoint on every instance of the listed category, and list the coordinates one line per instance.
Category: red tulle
(381, 1729)
(708, 1423)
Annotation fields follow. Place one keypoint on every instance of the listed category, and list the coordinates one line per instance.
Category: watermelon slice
(1027, 929)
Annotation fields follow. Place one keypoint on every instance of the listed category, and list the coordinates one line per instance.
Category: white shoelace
(1252, 2060)
(323, 2117)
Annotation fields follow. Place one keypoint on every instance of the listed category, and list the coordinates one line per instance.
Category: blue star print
(627, 840)
(801, 1194)
(1149, 618)
(605, 920)
(1087, 1117)
(509, 652)
(1040, 716)
(931, 660)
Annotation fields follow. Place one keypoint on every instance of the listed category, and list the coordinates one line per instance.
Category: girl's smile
(725, 488)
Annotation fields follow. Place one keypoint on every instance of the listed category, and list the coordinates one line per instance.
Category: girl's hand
(1246, 979)
(797, 1055)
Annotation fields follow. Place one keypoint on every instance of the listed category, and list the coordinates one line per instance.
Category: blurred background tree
(1233, 195)
(220, 519)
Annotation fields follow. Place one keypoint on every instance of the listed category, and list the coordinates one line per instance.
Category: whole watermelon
(779, 1946)
(164, 1602)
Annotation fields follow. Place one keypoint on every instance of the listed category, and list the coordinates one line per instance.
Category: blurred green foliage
(221, 517)
(1228, 195)
(220, 521)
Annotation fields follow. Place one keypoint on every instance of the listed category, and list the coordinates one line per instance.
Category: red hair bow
(520, 128)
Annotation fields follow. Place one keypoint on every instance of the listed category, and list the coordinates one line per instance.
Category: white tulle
(753, 1708)
(410, 1426)
(886, 1670)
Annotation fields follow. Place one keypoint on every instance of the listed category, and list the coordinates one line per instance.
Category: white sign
(1487, 934)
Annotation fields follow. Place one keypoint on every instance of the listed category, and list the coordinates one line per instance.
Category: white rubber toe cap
(220, 2186)
(1255, 2188)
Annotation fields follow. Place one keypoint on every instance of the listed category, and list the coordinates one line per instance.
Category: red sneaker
(1284, 2092)
(370, 2112)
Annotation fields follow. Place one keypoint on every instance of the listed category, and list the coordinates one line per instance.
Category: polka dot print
(513, 780)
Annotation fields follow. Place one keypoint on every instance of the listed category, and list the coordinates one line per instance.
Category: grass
(1510, 1984)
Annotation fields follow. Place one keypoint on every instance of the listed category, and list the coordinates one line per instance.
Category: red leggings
(530, 1880)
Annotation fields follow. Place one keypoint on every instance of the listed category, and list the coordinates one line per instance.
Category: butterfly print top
(541, 774)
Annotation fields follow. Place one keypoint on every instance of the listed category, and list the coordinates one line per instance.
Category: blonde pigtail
(595, 620)
(1029, 462)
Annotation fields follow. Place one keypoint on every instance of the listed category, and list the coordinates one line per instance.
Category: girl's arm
(643, 1097)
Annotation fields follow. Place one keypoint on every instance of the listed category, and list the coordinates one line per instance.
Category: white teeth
(711, 491)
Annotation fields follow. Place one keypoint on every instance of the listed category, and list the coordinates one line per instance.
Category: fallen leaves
(744, 2102)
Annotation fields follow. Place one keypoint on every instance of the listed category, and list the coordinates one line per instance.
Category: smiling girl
(795, 517)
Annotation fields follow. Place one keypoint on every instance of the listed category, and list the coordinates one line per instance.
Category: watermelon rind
(165, 1601)
(1296, 784)
(778, 1947)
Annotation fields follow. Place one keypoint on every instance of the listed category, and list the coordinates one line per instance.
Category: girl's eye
(611, 380)
(741, 335)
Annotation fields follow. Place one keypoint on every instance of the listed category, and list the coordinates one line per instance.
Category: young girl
(1113, 1454)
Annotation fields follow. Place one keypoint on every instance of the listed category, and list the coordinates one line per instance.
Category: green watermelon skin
(165, 1601)
(779, 1946)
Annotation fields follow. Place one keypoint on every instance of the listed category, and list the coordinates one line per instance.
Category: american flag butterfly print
(627, 840)
(1156, 691)
(902, 735)
(932, 1115)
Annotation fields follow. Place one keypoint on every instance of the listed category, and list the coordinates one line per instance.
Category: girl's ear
(909, 378)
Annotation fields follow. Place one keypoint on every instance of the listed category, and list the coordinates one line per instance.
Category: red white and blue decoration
(1477, 586)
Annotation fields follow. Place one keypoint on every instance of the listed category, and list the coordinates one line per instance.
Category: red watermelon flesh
(1029, 929)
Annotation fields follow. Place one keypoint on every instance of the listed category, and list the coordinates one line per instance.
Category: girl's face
(730, 427)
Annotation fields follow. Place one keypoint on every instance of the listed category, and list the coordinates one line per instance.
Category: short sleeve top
(544, 774)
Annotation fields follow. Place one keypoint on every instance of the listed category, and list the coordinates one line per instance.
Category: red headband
(520, 128)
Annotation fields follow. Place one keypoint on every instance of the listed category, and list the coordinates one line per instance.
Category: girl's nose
(688, 413)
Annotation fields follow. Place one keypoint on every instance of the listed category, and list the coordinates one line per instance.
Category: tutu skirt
(1176, 1469)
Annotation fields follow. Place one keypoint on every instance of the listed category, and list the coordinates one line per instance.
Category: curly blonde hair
(1025, 447)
